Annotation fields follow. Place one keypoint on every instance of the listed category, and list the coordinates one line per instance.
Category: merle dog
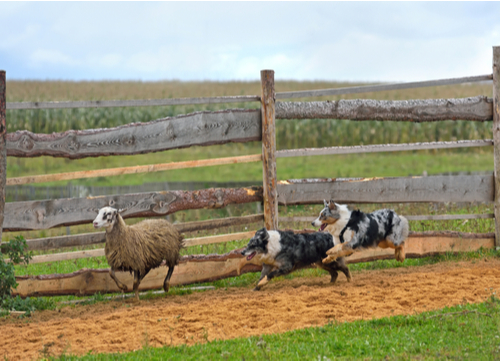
(282, 252)
(382, 228)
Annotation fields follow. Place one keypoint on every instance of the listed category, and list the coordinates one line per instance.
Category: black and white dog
(282, 252)
(382, 228)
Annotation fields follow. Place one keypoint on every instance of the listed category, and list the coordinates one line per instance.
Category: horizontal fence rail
(66, 212)
(473, 188)
(478, 108)
(132, 103)
(207, 268)
(56, 257)
(243, 98)
(375, 148)
(19, 193)
(63, 212)
(132, 170)
(208, 128)
(88, 239)
(201, 128)
(383, 87)
(286, 153)
(432, 217)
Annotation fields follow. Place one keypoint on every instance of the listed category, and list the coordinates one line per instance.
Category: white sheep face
(106, 217)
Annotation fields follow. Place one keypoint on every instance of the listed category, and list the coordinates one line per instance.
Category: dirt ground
(282, 305)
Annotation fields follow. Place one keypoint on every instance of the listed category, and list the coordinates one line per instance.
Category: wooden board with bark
(207, 268)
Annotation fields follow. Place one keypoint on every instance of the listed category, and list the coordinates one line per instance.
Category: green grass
(463, 332)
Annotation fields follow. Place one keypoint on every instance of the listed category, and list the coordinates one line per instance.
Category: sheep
(140, 247)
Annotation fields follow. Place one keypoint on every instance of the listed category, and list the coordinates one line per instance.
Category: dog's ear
(263, 234)
(325, 202)
(332, 205)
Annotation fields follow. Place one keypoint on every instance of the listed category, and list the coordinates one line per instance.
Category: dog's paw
(400, 255)
(263, 281)
(329, 259)
(334, 250)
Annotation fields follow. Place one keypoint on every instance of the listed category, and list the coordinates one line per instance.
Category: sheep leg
(120, 285)
(138, 277)
(137, 281)
(166, 283)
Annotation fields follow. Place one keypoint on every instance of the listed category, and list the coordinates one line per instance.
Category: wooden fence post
(496, 138)
(269, 149)
(3, 147)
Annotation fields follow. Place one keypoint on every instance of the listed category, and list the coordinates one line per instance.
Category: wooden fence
(241, 125)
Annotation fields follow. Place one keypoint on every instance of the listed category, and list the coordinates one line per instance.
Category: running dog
(282, 252)
(382, 228)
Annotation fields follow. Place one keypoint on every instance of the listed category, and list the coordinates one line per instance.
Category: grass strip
(463, 332)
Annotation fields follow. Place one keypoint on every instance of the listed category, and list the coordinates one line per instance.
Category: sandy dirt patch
(239, 312)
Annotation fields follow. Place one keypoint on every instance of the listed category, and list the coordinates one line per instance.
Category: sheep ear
(122, 210)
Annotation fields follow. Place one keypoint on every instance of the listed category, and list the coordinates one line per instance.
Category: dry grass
(109, 90)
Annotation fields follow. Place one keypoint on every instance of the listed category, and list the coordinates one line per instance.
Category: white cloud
(235, 40)
(42, 57)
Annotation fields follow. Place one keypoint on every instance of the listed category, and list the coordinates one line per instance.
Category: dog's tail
(405, 228)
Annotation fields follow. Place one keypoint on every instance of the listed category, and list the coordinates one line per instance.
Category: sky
(221, 41)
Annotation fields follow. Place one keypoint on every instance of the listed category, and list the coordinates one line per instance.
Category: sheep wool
(142, 246)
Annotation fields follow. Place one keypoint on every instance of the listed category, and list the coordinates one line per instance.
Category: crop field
(431, 308)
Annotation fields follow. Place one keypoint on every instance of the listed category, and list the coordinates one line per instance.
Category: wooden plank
(56, 257)
(449, 217)
(418, 247)
(434, 217)
(3, 147)
(133, 170)
(201, 268)
(87, 239)
(383, 87)
(201, 128)
(131, 103)
(66, 212)
(496, 138)
(242, 98)
(376, 148)
(422, 110)
(218, 223)
(269, 149)
(66, 256)
(77, 240)
(466, 188)
(219, 239)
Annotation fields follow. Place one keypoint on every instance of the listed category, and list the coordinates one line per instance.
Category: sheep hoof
(166, 286)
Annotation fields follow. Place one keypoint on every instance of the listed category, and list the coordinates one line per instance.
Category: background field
(409, 332)
(290, 134)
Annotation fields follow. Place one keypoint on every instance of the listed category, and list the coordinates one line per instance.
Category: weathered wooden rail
(207, 268)
(242, 125)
